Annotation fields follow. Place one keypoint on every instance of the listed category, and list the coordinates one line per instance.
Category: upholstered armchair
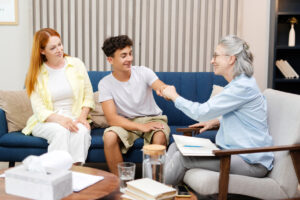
(282, 181)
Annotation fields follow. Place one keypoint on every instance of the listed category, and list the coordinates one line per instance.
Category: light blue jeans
(176, 165)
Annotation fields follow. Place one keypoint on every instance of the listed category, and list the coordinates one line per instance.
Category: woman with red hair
(61, 96)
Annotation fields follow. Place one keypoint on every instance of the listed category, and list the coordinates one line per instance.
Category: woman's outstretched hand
(170, 93)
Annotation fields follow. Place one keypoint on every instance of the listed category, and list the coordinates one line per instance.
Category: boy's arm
(158, 86)
(113, 119)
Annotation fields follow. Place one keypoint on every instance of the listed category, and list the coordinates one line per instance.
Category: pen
(191, 146)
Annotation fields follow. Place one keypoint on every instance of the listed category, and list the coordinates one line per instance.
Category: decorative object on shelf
(286, 69)
(292, 34)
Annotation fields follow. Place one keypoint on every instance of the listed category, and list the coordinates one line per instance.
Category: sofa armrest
(3, 123)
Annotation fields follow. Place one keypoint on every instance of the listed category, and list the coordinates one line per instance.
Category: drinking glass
(126, 173)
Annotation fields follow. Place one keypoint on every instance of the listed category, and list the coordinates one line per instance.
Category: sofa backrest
(95, 77)
(195, 86)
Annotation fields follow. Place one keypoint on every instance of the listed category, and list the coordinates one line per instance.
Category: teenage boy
(128, 103)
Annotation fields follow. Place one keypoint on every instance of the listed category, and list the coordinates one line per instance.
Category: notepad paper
(194, 146)
(149, 189)
(82, 180)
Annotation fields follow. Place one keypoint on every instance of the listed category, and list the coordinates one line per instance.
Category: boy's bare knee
(159, 138)
(110, 138)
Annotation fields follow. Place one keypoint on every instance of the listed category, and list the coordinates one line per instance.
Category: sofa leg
(11, 164)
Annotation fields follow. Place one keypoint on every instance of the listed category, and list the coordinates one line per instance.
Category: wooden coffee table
(108, 188)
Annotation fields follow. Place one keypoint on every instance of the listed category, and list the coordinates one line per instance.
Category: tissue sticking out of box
(54, 160)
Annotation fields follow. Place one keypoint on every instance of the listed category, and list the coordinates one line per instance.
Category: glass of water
(126, 173)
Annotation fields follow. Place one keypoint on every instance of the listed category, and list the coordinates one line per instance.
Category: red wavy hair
(40, 41)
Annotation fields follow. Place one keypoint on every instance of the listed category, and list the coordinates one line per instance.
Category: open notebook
(82, 180)
(194, 146)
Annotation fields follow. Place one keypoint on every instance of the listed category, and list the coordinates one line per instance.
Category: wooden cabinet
(284, 10)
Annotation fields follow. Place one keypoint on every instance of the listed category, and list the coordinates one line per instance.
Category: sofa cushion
(97, 115)
(19, 140)
(97, 135)
(17, 107)
(206, 182)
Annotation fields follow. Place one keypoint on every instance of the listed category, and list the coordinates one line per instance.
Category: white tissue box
(34, 185)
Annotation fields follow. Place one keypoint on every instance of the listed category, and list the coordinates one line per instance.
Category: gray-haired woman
(244, 116)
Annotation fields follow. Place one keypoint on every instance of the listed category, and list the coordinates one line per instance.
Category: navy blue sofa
(196, 86)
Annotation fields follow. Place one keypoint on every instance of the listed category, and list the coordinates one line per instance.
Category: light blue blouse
(244, 118)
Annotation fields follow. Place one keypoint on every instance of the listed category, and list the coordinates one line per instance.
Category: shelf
(283, 11)
(288, 13)
(286, 47)
(285, 80)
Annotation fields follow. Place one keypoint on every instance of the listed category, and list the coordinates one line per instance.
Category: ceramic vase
(292, 36)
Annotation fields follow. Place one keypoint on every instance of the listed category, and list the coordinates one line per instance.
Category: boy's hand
(159, 91)
(150, 126)
(170, 93)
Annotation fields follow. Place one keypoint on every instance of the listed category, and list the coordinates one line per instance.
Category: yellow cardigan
(41, 98)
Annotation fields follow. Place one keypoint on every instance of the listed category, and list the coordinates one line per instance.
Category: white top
(133, 98)
(60, 90)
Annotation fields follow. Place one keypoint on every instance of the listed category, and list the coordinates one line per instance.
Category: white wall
(15, 47)
(253, 27)
(15, 42)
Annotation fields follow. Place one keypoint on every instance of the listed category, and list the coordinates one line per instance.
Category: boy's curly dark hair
(112, 44)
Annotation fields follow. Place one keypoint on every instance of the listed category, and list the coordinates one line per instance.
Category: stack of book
(148, 189)
(286, 69)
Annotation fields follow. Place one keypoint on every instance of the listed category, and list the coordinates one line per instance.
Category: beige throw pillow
(17, 107)
(216, 90)
(97, 114)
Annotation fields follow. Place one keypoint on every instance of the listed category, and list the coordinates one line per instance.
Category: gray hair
(235, 46)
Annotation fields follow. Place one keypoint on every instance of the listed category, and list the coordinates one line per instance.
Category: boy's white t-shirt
(133, 98)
